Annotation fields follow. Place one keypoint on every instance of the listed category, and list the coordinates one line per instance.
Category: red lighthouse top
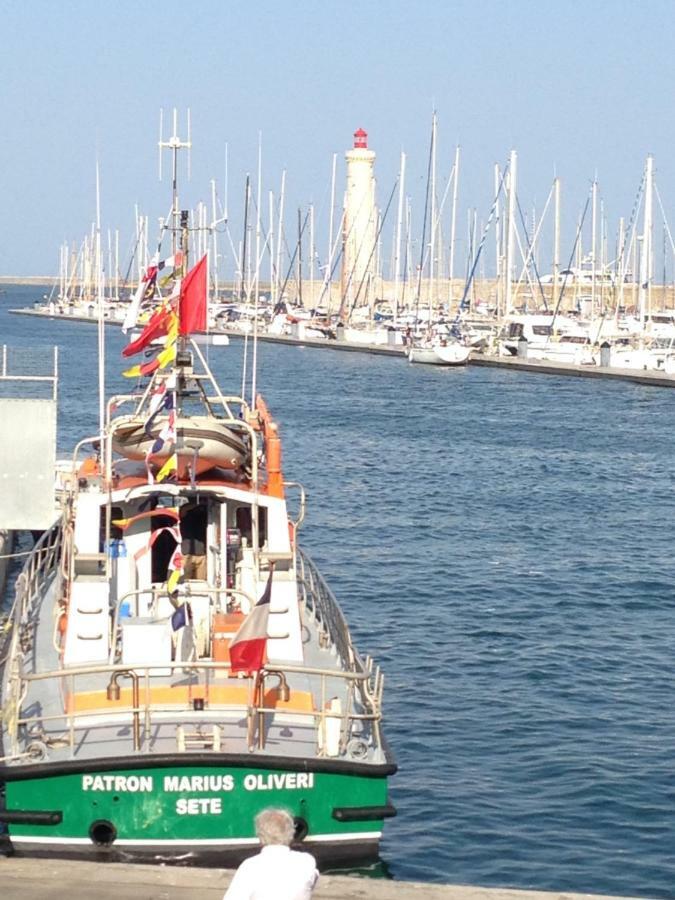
(360, 139)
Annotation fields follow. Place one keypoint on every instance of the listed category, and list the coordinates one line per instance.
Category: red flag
(156, 327)
(249, 645)
(192, 303)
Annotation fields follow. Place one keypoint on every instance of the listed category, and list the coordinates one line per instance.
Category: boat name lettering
(279, 781)
(196, 783)
(197, 806)
(193, 784)
(118, 783)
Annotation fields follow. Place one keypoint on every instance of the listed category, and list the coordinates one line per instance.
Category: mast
(311, 255)
(556, 240)
(329, 258)
(498, 242)
(594, 228)
(273, 285)
(280, 228)
(299, 269)
(117, 265)
(453, 221)
(174, 144)
(397, 257)
(432, 236)
(214, 237)
(620, 267)
(511, 230)
(603, 255)
(646, 254)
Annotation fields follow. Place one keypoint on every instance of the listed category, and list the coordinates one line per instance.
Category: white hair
(274, 826)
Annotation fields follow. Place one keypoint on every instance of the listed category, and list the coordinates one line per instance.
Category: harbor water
(503, 545)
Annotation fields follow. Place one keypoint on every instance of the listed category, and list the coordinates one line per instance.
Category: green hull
(177, 809)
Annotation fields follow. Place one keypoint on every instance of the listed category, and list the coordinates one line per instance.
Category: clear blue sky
(575, 87)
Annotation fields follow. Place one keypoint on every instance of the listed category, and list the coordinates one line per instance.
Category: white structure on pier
(359, 226)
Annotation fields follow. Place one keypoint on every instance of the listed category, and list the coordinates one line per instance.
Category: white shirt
(276, 873)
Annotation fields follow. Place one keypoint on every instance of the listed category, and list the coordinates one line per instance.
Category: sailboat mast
(270, 213)
(214, 238)
(453, 221)
(397, 259)
(511, 231)
(645, 257)
(498, 242)
(329, 258)
(311, 255)
(556, 240)
(432, 237)
(594, 229)
(280, 228)
(299, 270)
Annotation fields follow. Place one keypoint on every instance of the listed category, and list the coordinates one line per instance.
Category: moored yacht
(176, 661)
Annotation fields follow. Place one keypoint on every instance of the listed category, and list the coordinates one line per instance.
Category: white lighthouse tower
(360, 226)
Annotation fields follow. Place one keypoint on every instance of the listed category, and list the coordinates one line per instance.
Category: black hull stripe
(363, 813)
(165, 760)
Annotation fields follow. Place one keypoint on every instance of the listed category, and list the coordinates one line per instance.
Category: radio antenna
(174, 144)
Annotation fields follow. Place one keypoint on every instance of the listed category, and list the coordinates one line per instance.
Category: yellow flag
(167, 356)
(173, 580)
(171, 465)
(133, 372)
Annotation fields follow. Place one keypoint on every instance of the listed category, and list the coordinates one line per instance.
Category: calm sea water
(503, 545)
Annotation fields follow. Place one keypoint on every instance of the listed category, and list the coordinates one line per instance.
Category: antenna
(174, 144)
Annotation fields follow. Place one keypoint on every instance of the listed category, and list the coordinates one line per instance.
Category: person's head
(274, 826)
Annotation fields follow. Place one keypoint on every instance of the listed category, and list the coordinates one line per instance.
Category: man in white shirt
(277, 872)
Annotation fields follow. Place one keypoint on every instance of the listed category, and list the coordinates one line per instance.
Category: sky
(579, 89)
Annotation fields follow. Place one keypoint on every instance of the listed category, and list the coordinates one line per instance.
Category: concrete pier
(31, 879)
(541, 367)
(536, 367)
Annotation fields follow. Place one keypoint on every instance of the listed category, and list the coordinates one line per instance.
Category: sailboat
(177, 662)
(439, 351)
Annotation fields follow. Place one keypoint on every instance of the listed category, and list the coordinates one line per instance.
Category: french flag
(249, 645)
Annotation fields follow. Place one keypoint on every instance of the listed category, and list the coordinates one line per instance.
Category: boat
(439, 353)
(204, 443)
(440, 347)
(176, 662)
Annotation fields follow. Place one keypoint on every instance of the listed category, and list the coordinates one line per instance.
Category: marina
(337, 501)
(538, 622)
(655, 378)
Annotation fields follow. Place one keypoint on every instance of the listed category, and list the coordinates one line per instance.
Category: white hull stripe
(226, 842)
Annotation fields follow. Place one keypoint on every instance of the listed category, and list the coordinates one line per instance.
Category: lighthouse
(360, 226)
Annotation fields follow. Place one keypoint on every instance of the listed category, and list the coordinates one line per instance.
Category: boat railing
(156, 592)
(40, 567)
(320, 602)
(348, 731)
(302, 503)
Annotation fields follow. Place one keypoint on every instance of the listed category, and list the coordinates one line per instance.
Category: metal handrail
(352, 722)
(321, 602)
(161, 591)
